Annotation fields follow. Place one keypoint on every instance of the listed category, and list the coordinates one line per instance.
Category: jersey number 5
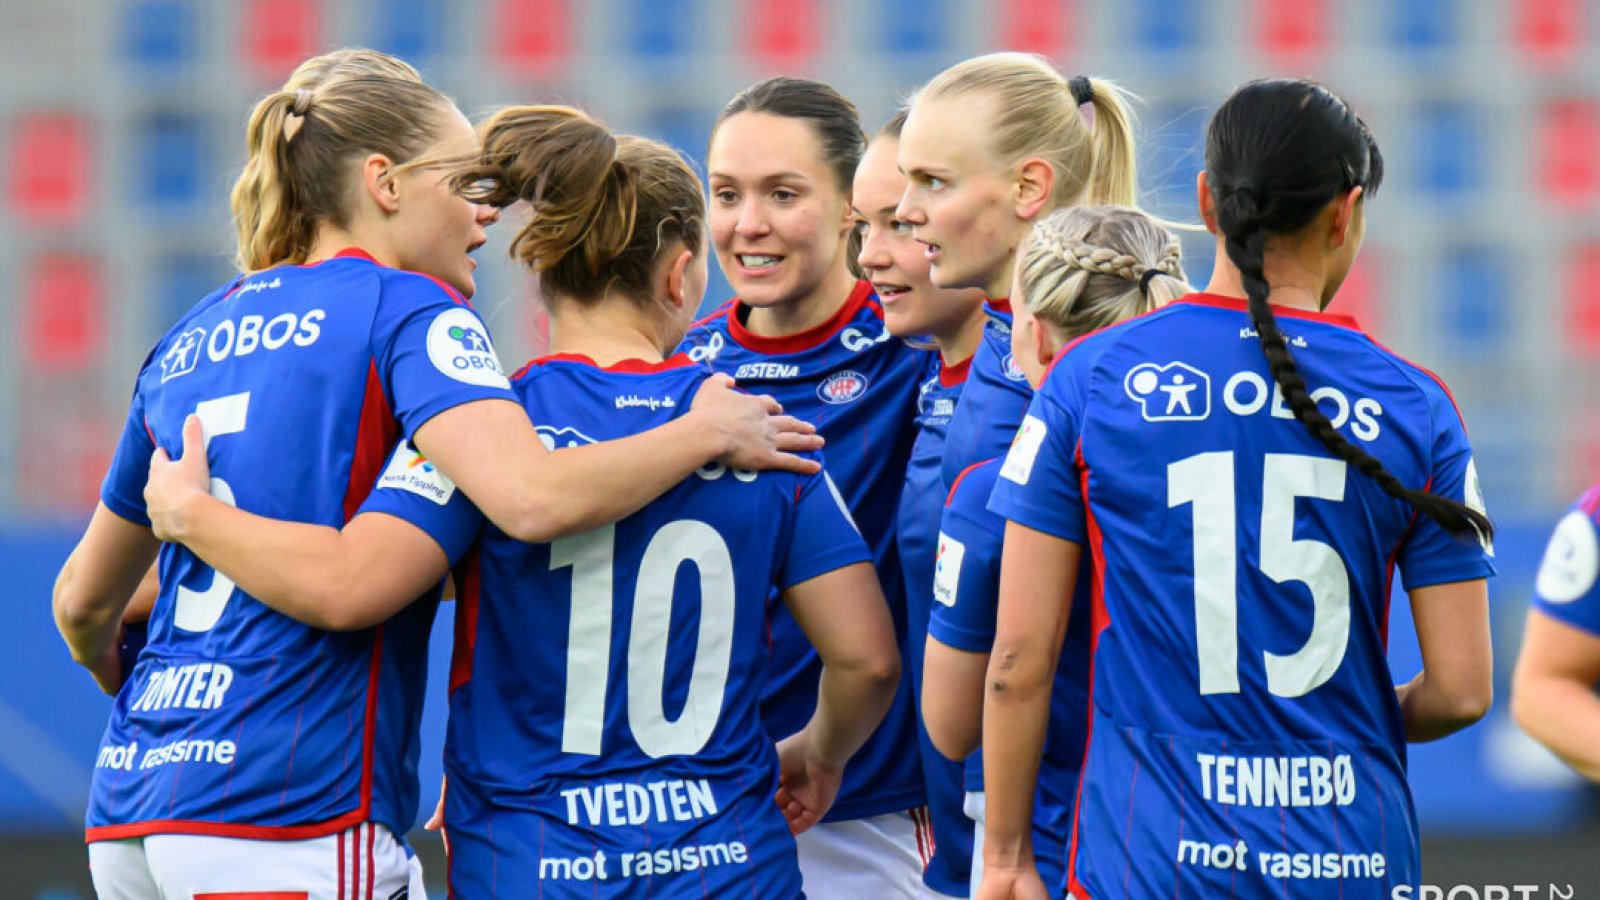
(1206, 480)
(592, 557)
(199, 611)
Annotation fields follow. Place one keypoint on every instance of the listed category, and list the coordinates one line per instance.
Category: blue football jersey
(1244, 726)
(1566, 586)
(917, 530)
(605, 736)
(997, 394)
(858, 386)
(236, 720)
(966, 591)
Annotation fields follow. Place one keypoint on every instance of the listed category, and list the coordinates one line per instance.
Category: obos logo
(459, 347)
(555, 438)
(1012, 371)
(1175, 392)
(842, 387)
(183, 355)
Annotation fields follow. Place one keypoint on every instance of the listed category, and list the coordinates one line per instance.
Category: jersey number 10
(592, 557)
(1207, 481)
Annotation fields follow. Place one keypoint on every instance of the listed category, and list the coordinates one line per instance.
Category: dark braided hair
(1277, 152)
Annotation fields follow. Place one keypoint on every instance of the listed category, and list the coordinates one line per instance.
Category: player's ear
(1036, 181)
(1044, 349)
(378, 181)
(674, 277)
(1208, 206)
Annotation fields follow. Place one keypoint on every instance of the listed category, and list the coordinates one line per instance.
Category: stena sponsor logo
(241, 337)
(842, 387)
(765, 370)
(710, 350)
(855, 340)
(193, 686)
(555, 438)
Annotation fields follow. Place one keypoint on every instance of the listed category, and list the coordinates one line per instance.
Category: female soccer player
(953, 319)
(238, 723)
(1245, 736)
(1552, 695)
(660, 777)
(991, 144)
(804, 329)
(1083, 268)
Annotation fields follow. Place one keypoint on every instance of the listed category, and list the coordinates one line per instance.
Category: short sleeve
(436, 355)
(824, 537)
(1039, 482)
(123, 490)
(414, 490)
(1565, 588)
(966, 575)
(1431, 555)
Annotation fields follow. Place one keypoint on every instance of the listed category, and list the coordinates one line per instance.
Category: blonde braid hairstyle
(1084, 267)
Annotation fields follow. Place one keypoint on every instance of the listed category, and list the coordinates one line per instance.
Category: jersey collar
(1218, 301)
(801, 341)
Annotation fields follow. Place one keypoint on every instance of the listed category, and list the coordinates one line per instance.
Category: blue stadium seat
(179, 281)
(171, 164)
(1426, 25)
(1450, 141)
(1472, 290)
(914, 27)
(159, 36)
(662, 31)
(414, 30)
(1166, 26)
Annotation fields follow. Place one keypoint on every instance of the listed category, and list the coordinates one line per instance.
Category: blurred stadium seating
(121, 125)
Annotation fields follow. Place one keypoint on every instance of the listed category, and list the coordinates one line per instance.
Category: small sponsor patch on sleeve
(410, 471)
(947, 569)
(1571, 561)
(458, 346)
(1024, 450)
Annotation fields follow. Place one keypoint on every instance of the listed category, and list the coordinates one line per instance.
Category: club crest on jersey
(183, 355)
(1013, 372)
(1175, 392)
(458, 346)
(555, 438)
(842, 387)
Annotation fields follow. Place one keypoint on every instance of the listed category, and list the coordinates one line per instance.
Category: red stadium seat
(50, 166)
(1038, 26)
(1549, 31)
(532, 38)
(1293, 31)
(63, 314)
(781, 35)
(1569, 153)
(1582, 313)
(278, 34)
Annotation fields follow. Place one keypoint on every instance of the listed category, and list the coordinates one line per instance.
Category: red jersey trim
(221, 829)
(466, 636)
(1099, 621)
(950, 376)
(999, 304)
(950, 497)
(1218, 301)
(377, 432)
(804, 340)
(1591, 500)
(629, 366)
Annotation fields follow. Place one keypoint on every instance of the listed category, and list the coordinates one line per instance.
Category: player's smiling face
(958, 198)
(435, 230)
(779, 218)
(894, 261)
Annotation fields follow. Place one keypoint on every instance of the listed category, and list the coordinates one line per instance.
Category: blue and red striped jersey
(858, 385)
(237, 720)
(1244, 725)
(604, 735)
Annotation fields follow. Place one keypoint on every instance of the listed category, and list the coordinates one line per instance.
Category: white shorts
(362, 863)
(879, 858)
(975, 807)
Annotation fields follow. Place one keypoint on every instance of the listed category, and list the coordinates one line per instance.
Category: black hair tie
(1144, 280)
(1082, 90)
